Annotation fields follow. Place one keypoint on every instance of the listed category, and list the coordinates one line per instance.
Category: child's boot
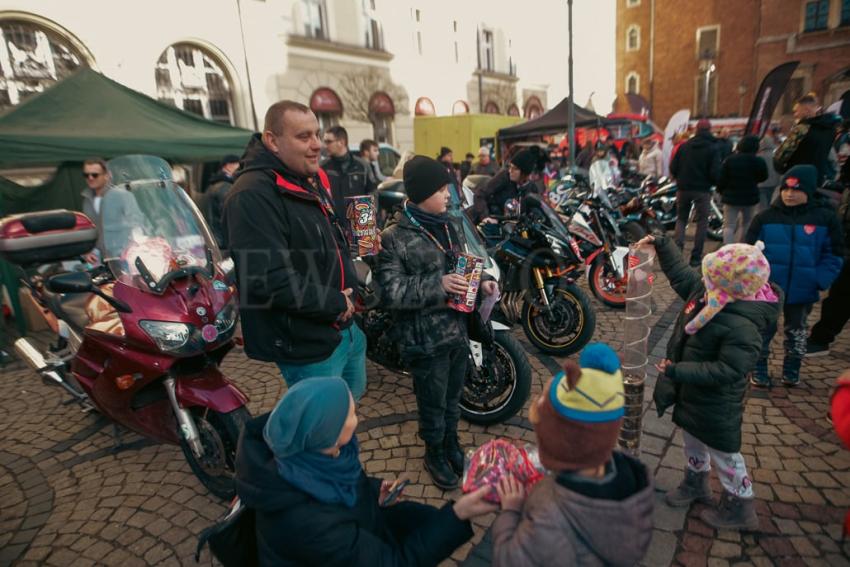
(732, 513)
(693, 487)
(760, 377)
(791, 370)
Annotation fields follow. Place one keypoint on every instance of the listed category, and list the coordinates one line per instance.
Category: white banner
(678, 123)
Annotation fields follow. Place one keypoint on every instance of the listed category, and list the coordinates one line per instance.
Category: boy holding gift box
(420, 246)
(596, 505)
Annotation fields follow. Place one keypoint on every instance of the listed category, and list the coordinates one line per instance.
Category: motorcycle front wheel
(605, 285)
(219, 434)
(497, 390)
(565, 327)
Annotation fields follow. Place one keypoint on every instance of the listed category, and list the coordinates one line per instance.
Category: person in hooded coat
(740, 175)
(803, 241)
(595, 508)
(716, 341)
(509, 183)
(298, 469)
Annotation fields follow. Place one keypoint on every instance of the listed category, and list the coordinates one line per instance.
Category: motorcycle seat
(70, 307)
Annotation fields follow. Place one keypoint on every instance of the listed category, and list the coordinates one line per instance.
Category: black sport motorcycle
(540, 262)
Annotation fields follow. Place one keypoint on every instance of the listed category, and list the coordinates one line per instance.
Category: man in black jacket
(696, 167)
(293, 267)
(810, 141)
(211, 202)
(351, 176)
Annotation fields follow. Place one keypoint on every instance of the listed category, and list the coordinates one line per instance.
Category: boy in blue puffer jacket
(804, 244)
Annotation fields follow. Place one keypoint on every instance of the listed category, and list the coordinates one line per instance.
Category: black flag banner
(769, 93)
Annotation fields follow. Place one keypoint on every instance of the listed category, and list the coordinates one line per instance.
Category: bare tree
(503, 93)
(357, 88)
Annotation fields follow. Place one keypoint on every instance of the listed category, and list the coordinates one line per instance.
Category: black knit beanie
(801, 177)
(423, 177)
(525, 161)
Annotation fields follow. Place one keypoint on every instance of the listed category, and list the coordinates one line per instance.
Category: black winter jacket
(292, 260)
(740, 176)
(707, 380)
(490, 198)
(212, 206)
(350, 177)
(814, 148)
(696, 165)
(409, 273)
(293, 528)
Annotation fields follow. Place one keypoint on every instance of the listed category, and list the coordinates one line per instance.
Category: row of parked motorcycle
(140, 338)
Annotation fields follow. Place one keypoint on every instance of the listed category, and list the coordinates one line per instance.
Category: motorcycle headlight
(557, 248)
(226, 318)
(168, 336)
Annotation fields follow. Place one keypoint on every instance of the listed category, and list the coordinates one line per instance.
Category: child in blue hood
(803, 242)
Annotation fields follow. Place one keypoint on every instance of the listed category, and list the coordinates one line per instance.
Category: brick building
(710, 56)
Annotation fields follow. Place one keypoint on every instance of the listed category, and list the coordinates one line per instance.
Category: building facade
(369, 65)
(710, 56)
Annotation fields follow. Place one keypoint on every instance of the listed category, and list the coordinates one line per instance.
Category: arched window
(192, 79)
(633, 38)
(460, 107)
(632, 83)
(425, 107)
(33, 57)
(327, 107)
(513, 110)
(382, 112)
(491, 108)
(533, 108)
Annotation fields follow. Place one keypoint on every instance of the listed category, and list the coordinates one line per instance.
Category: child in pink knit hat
(716, 341)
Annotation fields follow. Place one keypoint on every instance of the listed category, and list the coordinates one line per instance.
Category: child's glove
(664, 394)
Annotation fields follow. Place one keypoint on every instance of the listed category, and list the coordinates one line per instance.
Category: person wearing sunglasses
(97, 182)
(112, 209)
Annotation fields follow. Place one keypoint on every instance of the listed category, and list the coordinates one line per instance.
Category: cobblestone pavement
(67, 497)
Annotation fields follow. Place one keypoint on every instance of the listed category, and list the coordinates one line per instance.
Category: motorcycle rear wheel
(605, 285)
(566, 327)
(499, 389)
(219, 436)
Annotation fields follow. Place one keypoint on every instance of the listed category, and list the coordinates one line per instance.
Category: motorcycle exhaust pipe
(187, 425)
(35, 360)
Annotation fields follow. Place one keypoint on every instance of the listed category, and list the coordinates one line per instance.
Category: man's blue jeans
(348, 361)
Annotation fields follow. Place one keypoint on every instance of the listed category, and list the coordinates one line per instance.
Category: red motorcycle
(140, 337)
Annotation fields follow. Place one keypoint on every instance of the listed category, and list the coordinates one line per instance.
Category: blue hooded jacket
(804, 244)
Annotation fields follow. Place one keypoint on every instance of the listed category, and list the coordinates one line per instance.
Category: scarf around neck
(330, 480)
(436, 225)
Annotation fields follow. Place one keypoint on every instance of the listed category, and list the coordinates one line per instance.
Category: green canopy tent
(89, 115)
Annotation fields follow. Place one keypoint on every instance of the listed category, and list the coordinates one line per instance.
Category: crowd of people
(283, 221)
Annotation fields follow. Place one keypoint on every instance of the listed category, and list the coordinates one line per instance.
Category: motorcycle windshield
(533, 201)
(151, 229)
(462, 225)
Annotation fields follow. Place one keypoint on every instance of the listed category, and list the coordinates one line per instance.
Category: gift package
(486, 465)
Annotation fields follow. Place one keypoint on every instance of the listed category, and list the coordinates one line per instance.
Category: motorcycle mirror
(512, 208)
(72, 282)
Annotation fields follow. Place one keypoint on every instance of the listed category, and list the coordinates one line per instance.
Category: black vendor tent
(553, 122)
(88, 114)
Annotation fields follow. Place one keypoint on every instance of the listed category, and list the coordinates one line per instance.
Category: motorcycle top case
(46, 236)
